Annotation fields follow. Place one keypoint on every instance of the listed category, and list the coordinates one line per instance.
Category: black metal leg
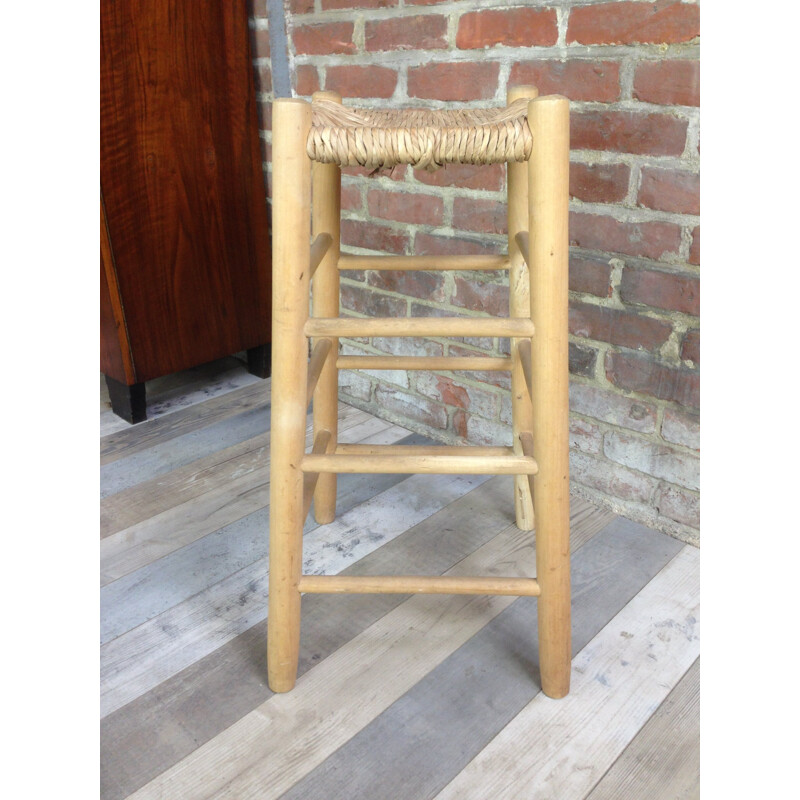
(259, 361)
(127, 402)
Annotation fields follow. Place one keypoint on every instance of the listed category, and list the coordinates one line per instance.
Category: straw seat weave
(426, 138)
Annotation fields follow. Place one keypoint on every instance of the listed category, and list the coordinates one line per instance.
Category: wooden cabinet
(185, 262)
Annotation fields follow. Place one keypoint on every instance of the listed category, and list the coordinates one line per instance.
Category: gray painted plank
(178, 423)
(663, 761)
(415, 747)
(173, 719)
(150, 590)
(165, 456)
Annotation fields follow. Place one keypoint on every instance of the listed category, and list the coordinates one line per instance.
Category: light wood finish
(326, 212)
(291, 217)
(519, 307)
(489, 263)
(417, 584)
(522, 241)
(310, 479)
(524, 353)
(424, 363)
(422, 464)
(548, 174)
(316, 364)
(319, 249)
(419, 326)
(423, 450)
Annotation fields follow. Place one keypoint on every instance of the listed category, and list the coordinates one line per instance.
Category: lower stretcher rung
(417, 584)
(423, 459)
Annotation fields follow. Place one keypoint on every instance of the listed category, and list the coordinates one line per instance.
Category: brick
(589, 275)
(424, 285)
(429, 245)
(428, 32)
(608, 406)
(610, 478)
(406, 206)
(694, 251)
(368, 235)
(475, 80)
(585, 436)
(464, 176)
(628, 132)
(670, 190)
(265, 116)
(582, 360)
(617, 327)
(486, 216)
(653, 459)
(452, 393)
(373, 304)
(575, 78)
(263, 79)
(330, 4)
(396, 173)
(326, 38)
(680, 505)
(641, 374)
(690, 348)
(667, 82)
(662, 22)
(668, 290)
(412, 406)
(306, 80)
(425, 2)
(482, 431)
(407, 347)
(261, 43)
(351, 198)
(301, 6)
(479, 296)
(355, 81)
(654, 240)
(599, 183)
(681, 428)
(516, 27)
(355, 384)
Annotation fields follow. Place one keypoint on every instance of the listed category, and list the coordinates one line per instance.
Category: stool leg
(291, 228)
(519, 306)
(327, 192)
(548, 118)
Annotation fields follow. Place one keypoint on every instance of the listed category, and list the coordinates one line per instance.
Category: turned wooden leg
(291, 215)
(548, 118)
(519, 306)
(327, 182)
(127, 402)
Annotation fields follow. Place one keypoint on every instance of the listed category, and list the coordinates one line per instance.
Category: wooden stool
(532, 135)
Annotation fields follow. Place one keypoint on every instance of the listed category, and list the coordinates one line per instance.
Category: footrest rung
(419, 326)
(417, 584)
(427, 263)
(421, 459)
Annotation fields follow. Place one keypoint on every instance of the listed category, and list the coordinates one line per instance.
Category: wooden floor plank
(178, 391)
(179, 451)
(151, 497)
(173, 719)
(138, 660)
(149, 591)
(421, 742)
(241, 490)
(619, 679)
(663, 760)
(267, 751)
(179, 423)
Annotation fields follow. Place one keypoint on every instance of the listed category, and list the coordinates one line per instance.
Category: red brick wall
(630, 69)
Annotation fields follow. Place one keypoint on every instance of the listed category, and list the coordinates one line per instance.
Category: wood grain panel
(182, 180)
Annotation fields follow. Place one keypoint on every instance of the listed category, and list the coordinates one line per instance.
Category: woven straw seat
(426, 138)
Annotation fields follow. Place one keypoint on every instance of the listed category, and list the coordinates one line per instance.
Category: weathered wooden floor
(399, 698)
